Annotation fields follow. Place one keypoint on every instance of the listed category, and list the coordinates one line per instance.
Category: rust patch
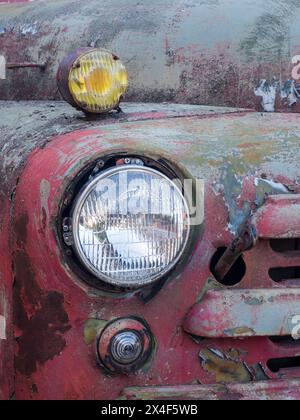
(21, 228)
(226, 367)
(39, 315)
(92, 328)
(44, 222)
(240, 332)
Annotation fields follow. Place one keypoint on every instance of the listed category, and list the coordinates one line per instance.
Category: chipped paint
(244, 313)
(239, 332)
(291, 93)
(232, 188)
(267, 92)
(245, 158)
(207, 52)
(28, 29)
(40, 317)
(50, 148)
(227, 367)
(265, 391)
(2, 67)
(92, 328)
(296, 69)
(279, 218)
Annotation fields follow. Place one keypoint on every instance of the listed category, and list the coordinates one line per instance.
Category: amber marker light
(92, 80)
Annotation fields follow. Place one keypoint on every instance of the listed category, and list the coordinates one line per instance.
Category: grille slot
(276, 365)
(286, 254)
(284, 273)
(285, 341)
(285, 245)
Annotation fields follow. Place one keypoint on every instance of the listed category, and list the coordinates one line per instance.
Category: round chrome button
(126, 347)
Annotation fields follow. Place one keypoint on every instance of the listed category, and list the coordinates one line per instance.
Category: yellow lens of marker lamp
(93, 80)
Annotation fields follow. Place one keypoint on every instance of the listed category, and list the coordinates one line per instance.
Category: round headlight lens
(130, 226)
(93, 80)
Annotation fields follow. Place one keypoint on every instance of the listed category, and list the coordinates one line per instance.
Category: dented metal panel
(201, 52)
(245, 313)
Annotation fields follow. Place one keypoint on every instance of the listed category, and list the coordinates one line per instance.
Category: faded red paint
(279, 218)
(244, 313)
(271, 390)
(39, 193)
(46, 305)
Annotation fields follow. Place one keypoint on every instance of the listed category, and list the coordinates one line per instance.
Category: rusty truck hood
(26, 125)
(200, 52)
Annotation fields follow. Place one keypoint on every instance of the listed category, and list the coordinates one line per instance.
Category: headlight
(130, 226)
(92, 80)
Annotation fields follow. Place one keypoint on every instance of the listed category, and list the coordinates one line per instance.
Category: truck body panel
(196, 52)
(53, 308)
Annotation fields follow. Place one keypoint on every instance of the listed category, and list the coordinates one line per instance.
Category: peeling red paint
(40, 318)
(279, 218)
(46, 304)
(271, 390)
(244, 313)
(176, 360)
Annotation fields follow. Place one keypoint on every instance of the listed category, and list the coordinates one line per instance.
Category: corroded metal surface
(277, 390)
(244, 313)
(244, 158)
(235, 153)
(244, 241)
(36, 124)
(279, 217)
(227, 367)
(204, 52)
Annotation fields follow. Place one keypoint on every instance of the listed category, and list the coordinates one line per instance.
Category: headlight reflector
(93, 80)
(130, 226)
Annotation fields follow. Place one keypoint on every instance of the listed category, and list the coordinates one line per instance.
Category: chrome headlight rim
(83, 260)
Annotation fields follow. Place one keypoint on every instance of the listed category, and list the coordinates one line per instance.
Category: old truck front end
(151, 253)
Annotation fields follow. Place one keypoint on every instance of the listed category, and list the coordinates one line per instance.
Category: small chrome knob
(125, 345)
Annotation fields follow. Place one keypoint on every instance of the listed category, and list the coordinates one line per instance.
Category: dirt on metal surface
(201, 52)
(244, 313)
(37, 124)
(266, 391)
(233, 152)
(188, 51)
(227, 368)
(39, 316)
